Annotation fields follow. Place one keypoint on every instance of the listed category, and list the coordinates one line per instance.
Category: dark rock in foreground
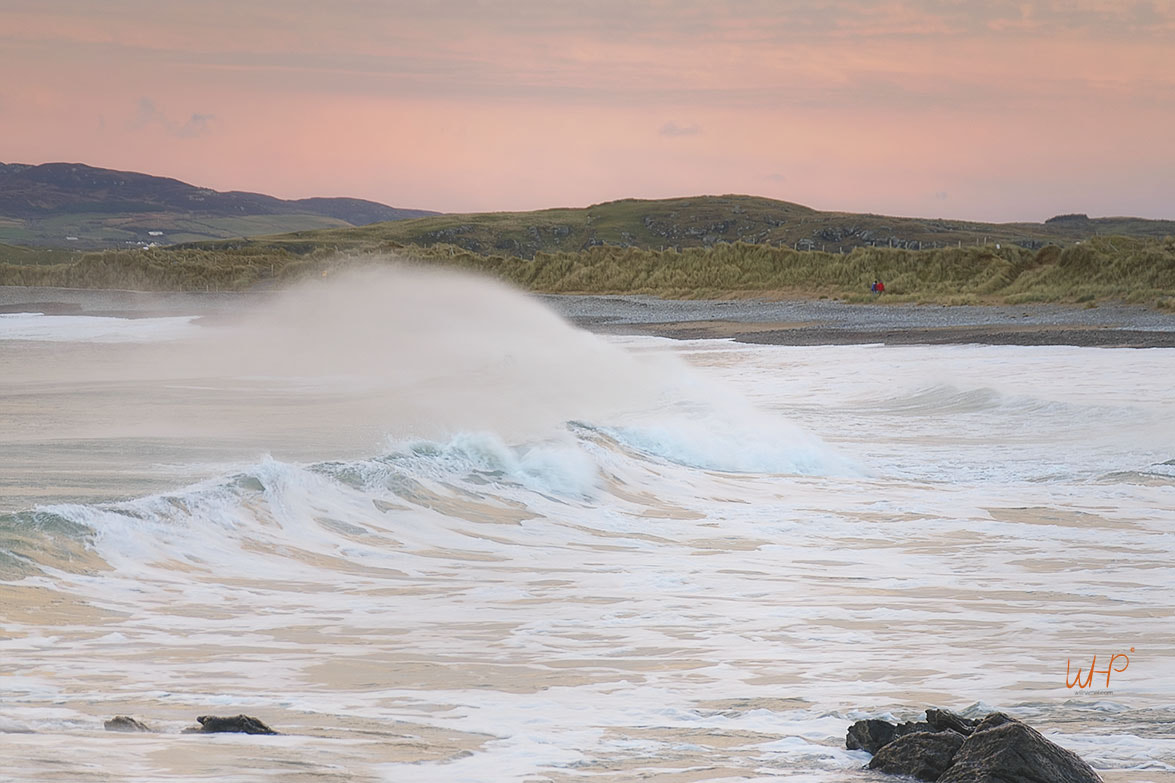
(941, 720)
(238, 724)
(923, 754)
(870, 735)
(949, 748)
(125, 723)
(1006, 750)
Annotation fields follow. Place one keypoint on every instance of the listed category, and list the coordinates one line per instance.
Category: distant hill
(705, 221)
(704, 246)
(79, 206)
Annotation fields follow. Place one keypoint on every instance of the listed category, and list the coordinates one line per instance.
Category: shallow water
(487, 547)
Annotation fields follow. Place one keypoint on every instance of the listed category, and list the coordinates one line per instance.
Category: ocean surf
(430, 532)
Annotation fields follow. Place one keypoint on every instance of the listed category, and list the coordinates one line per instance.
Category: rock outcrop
(1004, 749)
(239, 724)
(940, 720)
(870, 735)
(949, 748)
(125, 723)
(924, 754)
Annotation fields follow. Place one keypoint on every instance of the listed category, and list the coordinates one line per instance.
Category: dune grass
(704, 221)
(1104, 268)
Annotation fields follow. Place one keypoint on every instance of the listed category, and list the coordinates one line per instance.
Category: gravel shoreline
(791, 322)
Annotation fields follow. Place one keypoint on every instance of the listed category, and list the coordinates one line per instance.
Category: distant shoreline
(828, 322)
(753, 321)
(951, 335)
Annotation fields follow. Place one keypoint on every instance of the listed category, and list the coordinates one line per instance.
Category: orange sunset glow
(994, 111)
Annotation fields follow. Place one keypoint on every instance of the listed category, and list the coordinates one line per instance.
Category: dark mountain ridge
(28, 191)
(84, 207)
(71, 205)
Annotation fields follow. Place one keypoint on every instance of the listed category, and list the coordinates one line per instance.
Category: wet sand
(996, 334)
(826, 322)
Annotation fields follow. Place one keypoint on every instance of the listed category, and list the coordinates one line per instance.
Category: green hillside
(705, 221)
(98, 230)
(17, 254)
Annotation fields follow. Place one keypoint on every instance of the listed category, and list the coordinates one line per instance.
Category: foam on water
(93, 329)
(698, 569)
(735, 447)
(557, 466)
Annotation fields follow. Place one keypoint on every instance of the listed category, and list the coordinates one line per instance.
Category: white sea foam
(769, 445)
(557, 466)
(94, 329)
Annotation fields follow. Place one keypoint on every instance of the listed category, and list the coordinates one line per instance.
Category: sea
(428, 530)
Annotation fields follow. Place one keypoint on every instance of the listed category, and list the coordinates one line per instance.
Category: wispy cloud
(863, 103)
(197, 125)
(685, 53)
(673, 129)
(147, 115)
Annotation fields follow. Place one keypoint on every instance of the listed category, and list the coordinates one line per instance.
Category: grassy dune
(704, 221)
(18, 254)
(1105, 268)
(701, 247)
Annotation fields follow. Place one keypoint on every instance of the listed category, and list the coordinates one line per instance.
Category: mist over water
(355, 357)
(434, 352)
(433, 533)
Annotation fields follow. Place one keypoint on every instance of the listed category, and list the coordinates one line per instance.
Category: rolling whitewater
(431, 532)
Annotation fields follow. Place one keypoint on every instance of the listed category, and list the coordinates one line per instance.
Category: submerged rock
(125, 723)
(239, 724)
(952, 749)
(923, 754)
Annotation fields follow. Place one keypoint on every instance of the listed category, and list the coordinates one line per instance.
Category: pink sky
(986, 110)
